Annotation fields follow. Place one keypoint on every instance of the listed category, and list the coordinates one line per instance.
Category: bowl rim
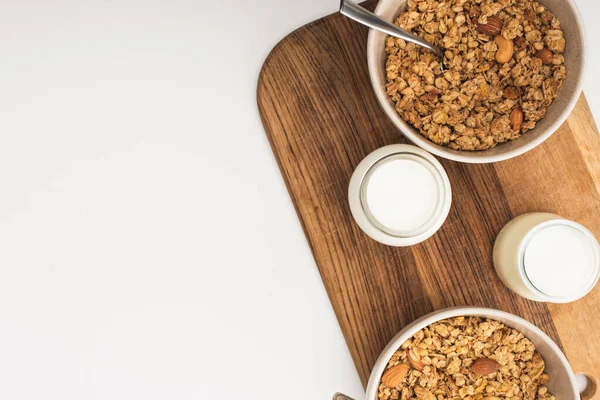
(455, 155)
(435, 316)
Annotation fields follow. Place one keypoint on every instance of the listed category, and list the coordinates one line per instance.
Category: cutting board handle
(586, 385)
(341, 396)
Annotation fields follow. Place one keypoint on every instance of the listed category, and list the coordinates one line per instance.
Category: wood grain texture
(322, 119)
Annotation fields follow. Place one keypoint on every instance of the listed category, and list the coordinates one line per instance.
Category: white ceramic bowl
(575, 57)
(563, 382)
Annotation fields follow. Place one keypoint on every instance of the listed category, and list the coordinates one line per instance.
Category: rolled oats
(468, 107)
(442, 361)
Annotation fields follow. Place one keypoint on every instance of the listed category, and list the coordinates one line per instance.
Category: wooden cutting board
(322, 118)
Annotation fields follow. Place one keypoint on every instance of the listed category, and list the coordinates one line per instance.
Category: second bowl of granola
(514, 72)
(472, 352)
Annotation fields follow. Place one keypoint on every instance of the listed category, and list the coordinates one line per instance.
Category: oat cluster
(440, 362)
(480, 101)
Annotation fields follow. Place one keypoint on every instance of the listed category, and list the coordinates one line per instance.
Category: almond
(505, 49)
(492, 27)
(394, 376)
(545, 55)
(511, 93)
(516, 119)
(414, 360)
(484, 366)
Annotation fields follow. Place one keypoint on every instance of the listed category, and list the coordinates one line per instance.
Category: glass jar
(544, 257)
(399, 195)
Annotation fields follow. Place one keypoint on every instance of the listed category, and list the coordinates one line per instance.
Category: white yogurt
(560, 260)
(402, 195)
(399, 195)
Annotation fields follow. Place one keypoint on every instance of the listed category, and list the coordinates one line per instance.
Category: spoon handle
(366, 17)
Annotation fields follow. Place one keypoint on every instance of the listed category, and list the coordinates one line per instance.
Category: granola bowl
(561, 383)
(543, 106)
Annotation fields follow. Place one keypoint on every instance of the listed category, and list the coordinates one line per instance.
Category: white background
(148, 246)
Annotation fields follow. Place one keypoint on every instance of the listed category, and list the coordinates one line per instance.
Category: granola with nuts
(466, 358)
(500, 55)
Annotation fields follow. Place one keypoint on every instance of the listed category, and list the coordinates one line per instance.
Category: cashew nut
(505, 49)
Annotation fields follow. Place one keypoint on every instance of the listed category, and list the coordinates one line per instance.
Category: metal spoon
(366, 17)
